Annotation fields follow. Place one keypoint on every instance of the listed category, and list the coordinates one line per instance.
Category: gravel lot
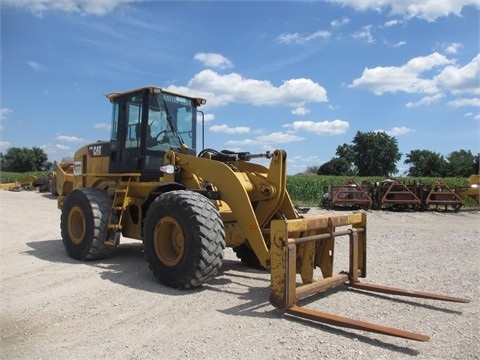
(53, 307)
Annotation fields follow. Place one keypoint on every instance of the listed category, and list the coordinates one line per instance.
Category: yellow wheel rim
(76, 225)
(169, 241)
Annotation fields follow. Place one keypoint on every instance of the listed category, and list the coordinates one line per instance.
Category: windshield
(171, 122)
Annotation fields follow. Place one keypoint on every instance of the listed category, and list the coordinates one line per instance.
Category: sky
(303, 76)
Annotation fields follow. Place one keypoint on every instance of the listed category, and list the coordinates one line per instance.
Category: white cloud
(474, 116)
(399, 43)
(206, 118)
(297, 38)
(391, 23)
(221, 90)
(402, 130)
(267, 141)
(34, 65)
(309, 159)
(464, 79)
(429, 10)
(408, 78)
(249, 142)
(102, 126)
(365, 34)
(279, 138)
(300, 111)
(335, 127)
(82, 7)
(453, 48)
(464, 102)
(404, 78)
(229, 130)
(69, 139)
(4, 145)
(62, 147)
(341, 22)
(426, 100)
(48, 148)
(4, 112)
(214, 60)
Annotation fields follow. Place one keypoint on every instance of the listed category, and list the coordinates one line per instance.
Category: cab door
(127, 133)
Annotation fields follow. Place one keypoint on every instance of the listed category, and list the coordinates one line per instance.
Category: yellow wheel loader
(149, 183)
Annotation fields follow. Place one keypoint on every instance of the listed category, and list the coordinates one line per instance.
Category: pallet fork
(298, 246)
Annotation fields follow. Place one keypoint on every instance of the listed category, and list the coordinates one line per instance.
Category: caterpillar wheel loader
(148, 183)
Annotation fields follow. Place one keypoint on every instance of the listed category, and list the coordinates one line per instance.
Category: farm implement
(348, 194)
(393, 194)
(438, 195)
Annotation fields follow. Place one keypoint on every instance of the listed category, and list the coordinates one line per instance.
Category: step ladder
(120, 202)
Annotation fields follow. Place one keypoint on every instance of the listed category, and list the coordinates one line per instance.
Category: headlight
(168, 169)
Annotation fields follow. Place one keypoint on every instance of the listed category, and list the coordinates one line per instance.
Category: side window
(134, 122)
(114, 131)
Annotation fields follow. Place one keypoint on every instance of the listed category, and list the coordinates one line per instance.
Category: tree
(425, 163)
(336, 166)
(375, 154)
(341, 164)
(311, 170)
(24, 160)
(461, 163)
(346, 152)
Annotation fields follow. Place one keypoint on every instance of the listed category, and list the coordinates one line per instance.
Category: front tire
(84, 223)
(183, 239)
(247, 256)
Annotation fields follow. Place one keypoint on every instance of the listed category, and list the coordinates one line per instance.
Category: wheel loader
(148, 183)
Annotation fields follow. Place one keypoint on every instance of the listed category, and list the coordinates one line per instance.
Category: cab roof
(154, 90)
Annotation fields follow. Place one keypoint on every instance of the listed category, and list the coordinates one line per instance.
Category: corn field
(307, 190)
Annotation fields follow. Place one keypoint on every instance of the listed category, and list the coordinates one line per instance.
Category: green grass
(10, 177)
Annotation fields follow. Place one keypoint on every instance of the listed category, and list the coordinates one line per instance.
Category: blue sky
(300, 76)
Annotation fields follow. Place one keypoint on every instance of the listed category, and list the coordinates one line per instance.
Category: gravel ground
(53, 307)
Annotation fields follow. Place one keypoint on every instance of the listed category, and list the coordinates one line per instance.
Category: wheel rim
(76, 225)
(169, 241)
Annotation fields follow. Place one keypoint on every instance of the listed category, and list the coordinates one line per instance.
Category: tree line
(369, 154)
(376, 154)
(24, 160)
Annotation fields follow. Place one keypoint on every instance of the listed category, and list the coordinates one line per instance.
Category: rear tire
(183, 239)
(83, 223)
(247, 256)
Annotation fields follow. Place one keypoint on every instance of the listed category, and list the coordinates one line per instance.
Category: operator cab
(145, 124)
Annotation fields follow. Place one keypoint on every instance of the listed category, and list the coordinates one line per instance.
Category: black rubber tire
(193, 252)
(247, 256)
(83, 223)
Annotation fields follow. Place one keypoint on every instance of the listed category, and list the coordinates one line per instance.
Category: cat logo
(97, 150)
